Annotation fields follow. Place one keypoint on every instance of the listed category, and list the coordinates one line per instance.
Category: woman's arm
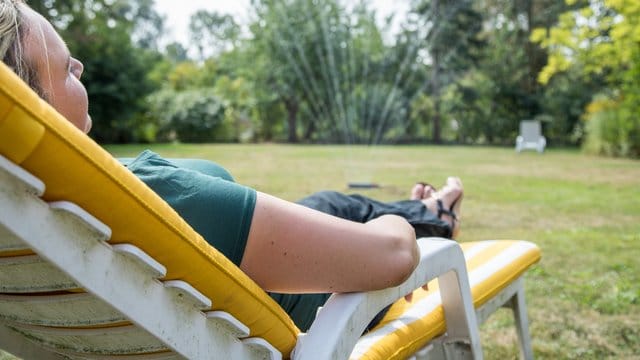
(294, 249)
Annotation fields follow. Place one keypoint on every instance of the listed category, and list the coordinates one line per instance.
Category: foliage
(115, 77)
(512, 99)
(467, 106)
(330, 71)
(601, 39)
(194, 115)
(510, 62)
(115, 40)
(564, 101)
(610, 130)
(213, 33)
(215, 76)
(330, 65)
(452, 41)
(237, 96)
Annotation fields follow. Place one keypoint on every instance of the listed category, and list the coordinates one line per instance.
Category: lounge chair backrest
(530, 130)
(531, 136)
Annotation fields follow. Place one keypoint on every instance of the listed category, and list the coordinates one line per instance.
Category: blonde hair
(12, 35)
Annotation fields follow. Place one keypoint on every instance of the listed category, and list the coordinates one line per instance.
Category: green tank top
(205, 195)
(207, 198)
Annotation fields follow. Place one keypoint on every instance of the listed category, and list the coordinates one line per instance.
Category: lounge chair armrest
(344, 317)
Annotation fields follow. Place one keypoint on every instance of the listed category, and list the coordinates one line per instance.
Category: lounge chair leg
(517, 304)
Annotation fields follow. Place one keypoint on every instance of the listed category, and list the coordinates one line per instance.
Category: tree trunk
(436, 77)
(311, 129)
(529, 47)
(292, 119)
(436, 121)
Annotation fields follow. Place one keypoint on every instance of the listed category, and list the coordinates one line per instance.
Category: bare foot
(451, 197)
(416, 192)
(421, 191)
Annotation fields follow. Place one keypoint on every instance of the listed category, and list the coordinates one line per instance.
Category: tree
(305, 48)
(213, 33)
(194, 115)
(601, 39)
(99, 33)
(450, 31)
(139, 17)
(176, 52)
(331, 71)
(510, 62)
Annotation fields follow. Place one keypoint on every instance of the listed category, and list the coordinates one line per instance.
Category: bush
(195, 115)
(612, 129)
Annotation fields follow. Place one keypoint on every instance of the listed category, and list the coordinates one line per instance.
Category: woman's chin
(87, 125)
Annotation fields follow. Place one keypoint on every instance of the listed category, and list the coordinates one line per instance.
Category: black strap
(443, 211)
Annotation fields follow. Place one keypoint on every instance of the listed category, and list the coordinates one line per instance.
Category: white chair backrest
(530, 130)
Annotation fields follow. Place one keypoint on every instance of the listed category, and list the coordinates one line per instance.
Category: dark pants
(362, 209)
(302, 307)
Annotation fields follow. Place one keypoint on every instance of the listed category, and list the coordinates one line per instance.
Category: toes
(454, 181)
(428, 192)
(417, 192)
(422, 191)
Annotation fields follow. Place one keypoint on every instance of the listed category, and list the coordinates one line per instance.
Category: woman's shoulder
(148, 161)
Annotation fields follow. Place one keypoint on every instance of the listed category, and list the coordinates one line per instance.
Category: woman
(329, 242)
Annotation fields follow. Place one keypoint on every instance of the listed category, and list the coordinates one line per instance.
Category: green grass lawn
(584, 212)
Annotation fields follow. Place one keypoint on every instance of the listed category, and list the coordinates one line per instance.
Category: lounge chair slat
(134, 252)
(100, 229)
(190, 293)
(117, 340)
(27, 274)
(10, 242)
(164, 355)
(229, 322)
(29, 183)
(64, 310)
(267, 350)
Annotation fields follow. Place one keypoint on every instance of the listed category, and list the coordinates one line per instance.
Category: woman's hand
(409, 296)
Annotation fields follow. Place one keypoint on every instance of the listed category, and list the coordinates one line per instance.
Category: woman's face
(59, 73)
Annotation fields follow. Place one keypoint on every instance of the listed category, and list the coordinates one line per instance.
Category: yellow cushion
(76, 169)
(407, 327)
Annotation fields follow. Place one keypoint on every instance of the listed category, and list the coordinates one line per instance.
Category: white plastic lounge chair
(93, 264)
(530, 136)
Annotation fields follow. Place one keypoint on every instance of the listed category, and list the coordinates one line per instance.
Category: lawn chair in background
(530, 136)
(93, 264)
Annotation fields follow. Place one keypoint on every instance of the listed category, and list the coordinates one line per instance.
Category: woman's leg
(421, 212)
(362, 209)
